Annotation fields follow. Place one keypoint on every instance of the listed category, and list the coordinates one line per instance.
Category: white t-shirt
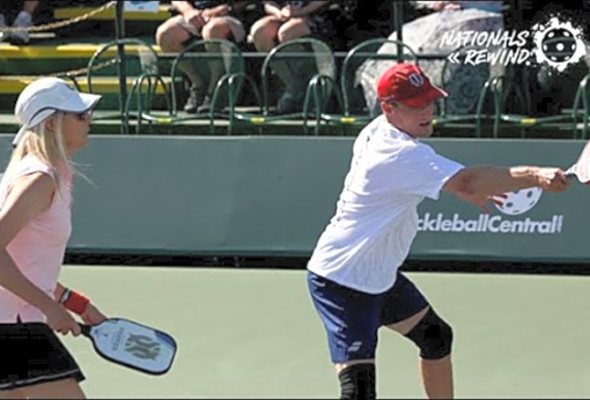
(376, 218)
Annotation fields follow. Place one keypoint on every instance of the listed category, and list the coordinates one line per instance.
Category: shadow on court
(254, 334)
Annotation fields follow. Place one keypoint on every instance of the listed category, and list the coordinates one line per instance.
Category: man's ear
(388, 107)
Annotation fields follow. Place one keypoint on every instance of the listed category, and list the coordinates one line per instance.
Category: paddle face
(133, 345)
(581, 169)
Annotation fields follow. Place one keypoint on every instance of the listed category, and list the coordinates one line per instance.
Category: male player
(353, 274)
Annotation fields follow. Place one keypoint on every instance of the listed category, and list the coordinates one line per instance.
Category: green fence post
(120, 34)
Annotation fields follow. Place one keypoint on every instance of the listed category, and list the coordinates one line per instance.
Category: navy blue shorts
(352, 318)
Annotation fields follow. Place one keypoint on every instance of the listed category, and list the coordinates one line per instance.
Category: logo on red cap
(416, 79)
(406, 83)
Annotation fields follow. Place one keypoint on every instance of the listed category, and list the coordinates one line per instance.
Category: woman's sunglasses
(83, 116)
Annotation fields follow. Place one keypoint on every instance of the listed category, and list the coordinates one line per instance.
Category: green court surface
(253, 334)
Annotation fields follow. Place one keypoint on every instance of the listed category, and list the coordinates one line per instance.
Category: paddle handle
(85, 329)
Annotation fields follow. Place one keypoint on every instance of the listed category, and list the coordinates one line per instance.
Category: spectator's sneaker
(195, 98)
(2, 25)
(205, 105)
(18, 38)
(288, 103)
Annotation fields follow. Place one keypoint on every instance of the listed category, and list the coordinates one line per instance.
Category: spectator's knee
(283, 36)
(217, 28)
(287, 33)
(169, 38)
(161, 34)
(263, 37)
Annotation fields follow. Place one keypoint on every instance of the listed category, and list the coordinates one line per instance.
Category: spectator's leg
(264, 33)
(219, 28)
(292, 72)
(2, 25)
(171, 36)
(23, 19)
(2, 19)
(293, 29)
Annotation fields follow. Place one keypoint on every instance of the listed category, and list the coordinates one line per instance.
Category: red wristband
(74, 301)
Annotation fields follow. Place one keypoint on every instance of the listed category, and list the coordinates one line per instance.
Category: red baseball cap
(406, 83)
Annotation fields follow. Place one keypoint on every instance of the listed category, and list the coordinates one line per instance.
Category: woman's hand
(92, 316)
(286, 13)
(60, 320)
(195, 18)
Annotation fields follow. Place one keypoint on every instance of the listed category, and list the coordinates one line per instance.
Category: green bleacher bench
(163, 13)
(14, 84)
(72, 50)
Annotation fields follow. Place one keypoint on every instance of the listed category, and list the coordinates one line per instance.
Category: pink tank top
(38, 249)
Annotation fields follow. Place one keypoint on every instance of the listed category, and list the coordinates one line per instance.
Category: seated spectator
(21, 13)
(287, 20)
(208, 19)
(491, 6)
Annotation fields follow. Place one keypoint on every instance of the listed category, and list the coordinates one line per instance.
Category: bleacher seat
(351, 107)
(308, 58)
(330, 101)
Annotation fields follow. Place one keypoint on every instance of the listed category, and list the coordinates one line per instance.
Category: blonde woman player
(35, 224)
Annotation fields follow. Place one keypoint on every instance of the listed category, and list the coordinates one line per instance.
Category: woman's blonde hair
(48, 146)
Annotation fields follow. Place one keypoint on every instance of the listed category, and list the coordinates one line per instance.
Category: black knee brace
(357, 382)
(433, 336)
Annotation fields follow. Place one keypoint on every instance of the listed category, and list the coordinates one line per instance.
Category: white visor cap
(45, 96)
